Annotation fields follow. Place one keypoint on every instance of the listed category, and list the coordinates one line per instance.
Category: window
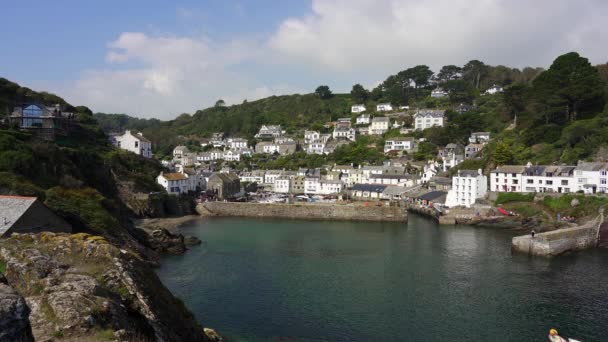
(549, 182)
(530, 181)
(515, 181)
(564, 182)
(603, 173)
(602, 180)
(136, 143)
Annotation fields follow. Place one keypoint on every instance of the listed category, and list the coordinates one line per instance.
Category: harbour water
(289, 280)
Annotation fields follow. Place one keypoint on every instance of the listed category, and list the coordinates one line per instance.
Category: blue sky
(161, 58)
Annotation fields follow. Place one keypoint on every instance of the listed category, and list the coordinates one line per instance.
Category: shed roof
(12, 208)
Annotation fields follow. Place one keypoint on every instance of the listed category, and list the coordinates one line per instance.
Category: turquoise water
(283, 280)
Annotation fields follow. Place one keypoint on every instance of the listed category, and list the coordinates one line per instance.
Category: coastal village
(430, 185)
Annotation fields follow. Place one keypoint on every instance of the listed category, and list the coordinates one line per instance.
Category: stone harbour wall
(343, 212)
(556, 242)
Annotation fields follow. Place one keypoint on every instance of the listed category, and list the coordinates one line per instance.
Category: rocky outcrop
(14, 316)
(79, 285)
(163, 241)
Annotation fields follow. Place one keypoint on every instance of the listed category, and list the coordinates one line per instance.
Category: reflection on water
(260, 280)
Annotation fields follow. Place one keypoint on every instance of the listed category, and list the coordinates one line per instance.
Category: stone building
(224, 185)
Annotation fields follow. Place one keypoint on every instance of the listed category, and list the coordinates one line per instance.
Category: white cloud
(351, 36)
(167, 75)
(342, 42)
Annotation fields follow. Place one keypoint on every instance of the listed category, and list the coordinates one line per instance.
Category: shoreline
(172, 224)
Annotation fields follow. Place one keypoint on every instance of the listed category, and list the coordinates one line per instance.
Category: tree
(460, 91)
(323, 92)
(502, 154)
(514, 98)
(420, 74)
(449, 72)
(474, 72)
(359, 94)
(571, 87)
(220, 103)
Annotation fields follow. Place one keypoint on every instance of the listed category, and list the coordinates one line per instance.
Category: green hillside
(560, 112)
(78, 176)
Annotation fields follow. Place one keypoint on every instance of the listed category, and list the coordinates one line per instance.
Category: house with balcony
(46, 122)
(399, 144)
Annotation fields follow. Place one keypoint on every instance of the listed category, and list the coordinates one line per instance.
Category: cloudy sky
(153, 58)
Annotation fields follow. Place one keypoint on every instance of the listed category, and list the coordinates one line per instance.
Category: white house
(379, 125)
(540, 178)
(507, 178)
(428, 118)
(467, 187)
(402, 180)
(438, 93)
(310, 136)
(237, 143)
(266, 147)
(358, 108)
(256, 176)
(493, 90)
(344, 133)
(399, 144)
(282, 184)
(364, 119)
(179, 151)
(189, 159)
(269, 132)
(384, 107)
(329, 187)
(174, 183)
(315, 147)
(232, 155)
(479, 137)
(429, 171)
(135, 143)
(591, 177)
(271, 175)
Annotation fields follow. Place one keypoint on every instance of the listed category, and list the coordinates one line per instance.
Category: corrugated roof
(11, 209)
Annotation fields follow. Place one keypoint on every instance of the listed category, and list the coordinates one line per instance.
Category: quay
(321, 211)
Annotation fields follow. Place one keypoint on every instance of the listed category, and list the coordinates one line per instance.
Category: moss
(105, 335)
(2, 266)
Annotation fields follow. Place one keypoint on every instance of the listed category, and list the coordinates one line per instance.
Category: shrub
(506, 197)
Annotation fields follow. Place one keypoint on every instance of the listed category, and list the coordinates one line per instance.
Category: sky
(153, 58)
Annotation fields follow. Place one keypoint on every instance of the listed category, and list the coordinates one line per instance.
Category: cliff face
(81, 286)
(14, 316)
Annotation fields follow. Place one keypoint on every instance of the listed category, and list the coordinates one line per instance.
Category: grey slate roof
(11, 209)
(369, 187)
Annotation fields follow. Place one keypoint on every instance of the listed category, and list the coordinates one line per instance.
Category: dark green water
(281, 280)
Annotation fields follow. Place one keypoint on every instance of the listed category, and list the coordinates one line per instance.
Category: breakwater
(558, 241)
(341, 212)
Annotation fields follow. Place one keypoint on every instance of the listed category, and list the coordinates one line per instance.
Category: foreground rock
(81, 286)
(163, 241)
(14, 316)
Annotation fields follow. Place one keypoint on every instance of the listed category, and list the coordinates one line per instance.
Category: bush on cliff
(85, 208)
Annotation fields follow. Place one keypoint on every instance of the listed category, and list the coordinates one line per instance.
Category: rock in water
(14, 316)
(192, 241)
